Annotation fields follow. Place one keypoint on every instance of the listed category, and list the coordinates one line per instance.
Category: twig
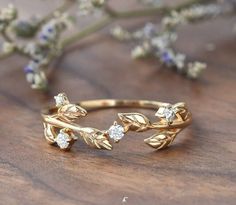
(87, 31)
(113, 15)
(5, 36)
(64, 7)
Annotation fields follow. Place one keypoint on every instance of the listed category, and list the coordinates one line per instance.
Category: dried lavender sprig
(159, 42)
(89, 6)
(40, 51)
(111, 15)
(194, 13)
(44, 50)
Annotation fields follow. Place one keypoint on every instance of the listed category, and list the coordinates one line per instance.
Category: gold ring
(60, 129)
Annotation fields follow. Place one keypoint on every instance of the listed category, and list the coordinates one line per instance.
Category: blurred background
(169, 51)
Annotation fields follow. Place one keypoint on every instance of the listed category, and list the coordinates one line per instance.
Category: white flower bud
(8, 47)
(195, 69)
(40, 81)
(138, 52)
(119, 33)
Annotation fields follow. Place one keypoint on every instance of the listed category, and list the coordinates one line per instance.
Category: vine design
(59, 128)
(163, 137)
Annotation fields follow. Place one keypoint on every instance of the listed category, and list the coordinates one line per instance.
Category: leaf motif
(160, 140)
(95, 138)
(134, 121)
(49, 133)
(70, 112)
(179, 105)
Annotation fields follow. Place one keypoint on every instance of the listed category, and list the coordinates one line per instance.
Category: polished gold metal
(60, 129)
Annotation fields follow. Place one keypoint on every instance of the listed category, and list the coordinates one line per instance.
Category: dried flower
(193, 13)
(8, 47)
(7, 15)
(195, 69)
(140, 51)
(157, 40)
(119, 33)
(89, 6)
(35, 76)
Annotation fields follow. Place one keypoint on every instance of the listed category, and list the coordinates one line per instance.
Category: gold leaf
(70, 112)
(160, 140)
(96, 138)
(49, 133)
(134, 121)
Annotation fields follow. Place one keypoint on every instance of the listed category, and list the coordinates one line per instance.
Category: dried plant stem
(113, 15)
(87, 31)
(64, 7)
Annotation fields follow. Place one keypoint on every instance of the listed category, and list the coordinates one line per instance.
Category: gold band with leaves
(60, 129)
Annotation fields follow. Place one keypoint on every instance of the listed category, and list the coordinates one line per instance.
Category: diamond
(61, 99)
(63, 140)
(168, 113)
(116, 132)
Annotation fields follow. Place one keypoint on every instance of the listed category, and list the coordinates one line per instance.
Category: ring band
(60, 129)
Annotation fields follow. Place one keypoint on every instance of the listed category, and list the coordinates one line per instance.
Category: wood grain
(200, 167)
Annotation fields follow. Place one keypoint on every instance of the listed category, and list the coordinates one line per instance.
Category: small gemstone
(169, 114)
(62, 140)
(61, 100)
(116, 132)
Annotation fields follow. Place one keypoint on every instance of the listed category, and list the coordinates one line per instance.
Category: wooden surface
(199, 168)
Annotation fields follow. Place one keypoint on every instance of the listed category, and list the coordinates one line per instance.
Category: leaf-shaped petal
(96, 138)
(71, 111)
(49, 133)
(179, 105)
(134, 121)
(159, 140)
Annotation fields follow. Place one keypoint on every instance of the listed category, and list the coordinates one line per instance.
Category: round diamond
(116, 132)
(62, 140)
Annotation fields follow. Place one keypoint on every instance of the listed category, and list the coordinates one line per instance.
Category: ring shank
(113, 103)
(92, 105)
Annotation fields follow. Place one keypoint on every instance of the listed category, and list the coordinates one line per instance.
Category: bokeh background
(198, 169)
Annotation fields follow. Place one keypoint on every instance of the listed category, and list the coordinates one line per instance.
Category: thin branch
(64, 7)
(113, 15)
(151, 11)
(5, 36)
(87, 31)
